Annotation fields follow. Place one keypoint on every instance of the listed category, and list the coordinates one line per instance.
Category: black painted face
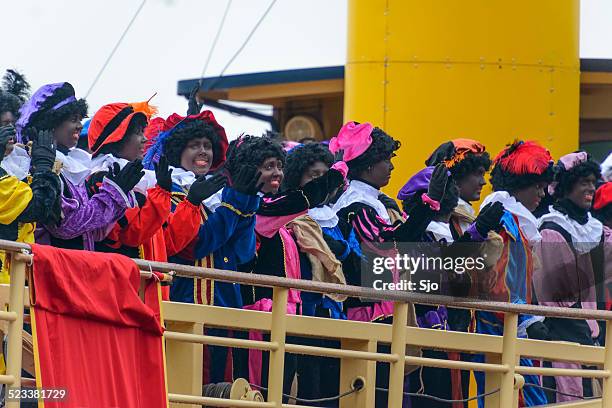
(531, 196)
(271, 175)
(197, 156)
(583, 191)
(471, 185)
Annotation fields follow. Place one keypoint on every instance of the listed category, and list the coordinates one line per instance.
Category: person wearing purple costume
(441, 382)
(83, 220)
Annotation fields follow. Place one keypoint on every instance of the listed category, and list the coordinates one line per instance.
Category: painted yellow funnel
(432, 70)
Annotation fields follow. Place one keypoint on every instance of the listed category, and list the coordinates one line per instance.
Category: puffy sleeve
(88, 215)
(220, 225)
(182, 225)
(141, 223)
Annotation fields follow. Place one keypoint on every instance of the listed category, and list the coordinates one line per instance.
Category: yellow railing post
(351, 368)
(606, 396)
(15, 329)
(508, 358)
(398, 348)
(277, 335)
(184, 362)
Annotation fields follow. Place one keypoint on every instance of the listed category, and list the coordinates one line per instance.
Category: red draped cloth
(93, 335)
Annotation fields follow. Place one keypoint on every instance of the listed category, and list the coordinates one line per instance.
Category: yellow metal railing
(358, 351)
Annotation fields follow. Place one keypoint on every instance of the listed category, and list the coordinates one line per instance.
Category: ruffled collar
(186, 178)
(441, 231)
(585, 237)
(527, 221)
(324, 216)
(76, 164)
(104, 161)
(361, 192)
(182, 177)
(567, 207)
(17, 164)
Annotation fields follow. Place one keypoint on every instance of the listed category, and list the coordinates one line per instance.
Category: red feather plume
(524, 158)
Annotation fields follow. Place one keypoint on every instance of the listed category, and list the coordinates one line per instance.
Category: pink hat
(573, 159)
(353, 138)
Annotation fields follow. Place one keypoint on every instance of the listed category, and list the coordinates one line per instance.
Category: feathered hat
(453, 152)
(523, 158)
(111, 121)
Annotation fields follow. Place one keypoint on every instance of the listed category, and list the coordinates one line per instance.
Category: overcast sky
(69, 40)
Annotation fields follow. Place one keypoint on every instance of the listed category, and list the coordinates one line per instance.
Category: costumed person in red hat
(84, 219)
(116, 137)
(521, 173)
(570, 271)
(195, 148)
(277, 247)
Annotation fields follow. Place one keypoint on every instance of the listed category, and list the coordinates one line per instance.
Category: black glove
(247, 180)
(538, 331)
(163, 174)
(388, 202)
(7, 133)
(127, 177)
(193, 106)
(489, 218)
(316, 191)
(335, 180)
(437, 184)
(43, 150)
(203, 188)
(339, 156)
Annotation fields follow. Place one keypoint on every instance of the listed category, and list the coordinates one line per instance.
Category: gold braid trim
(235, 210)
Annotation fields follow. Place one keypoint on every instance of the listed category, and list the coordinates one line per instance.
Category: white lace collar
(527, 221)
(76, 165)
(182, 177)
(360, 192)
(324, 216)
(17, 163)
(441, 231)
(584, 237)
(104, 161)
(186, 178)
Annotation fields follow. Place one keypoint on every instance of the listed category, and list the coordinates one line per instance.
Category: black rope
(448, 401)
(324, 399)
(559, 392)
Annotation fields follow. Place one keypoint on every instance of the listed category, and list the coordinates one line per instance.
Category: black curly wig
(470, 164)
(382, 148)
(47, 119)
(252, 150)
(137, 124)
(566, 179)
(301, 158)
(505, 181)
(447, 204)
(14, 92)
(195, 129)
